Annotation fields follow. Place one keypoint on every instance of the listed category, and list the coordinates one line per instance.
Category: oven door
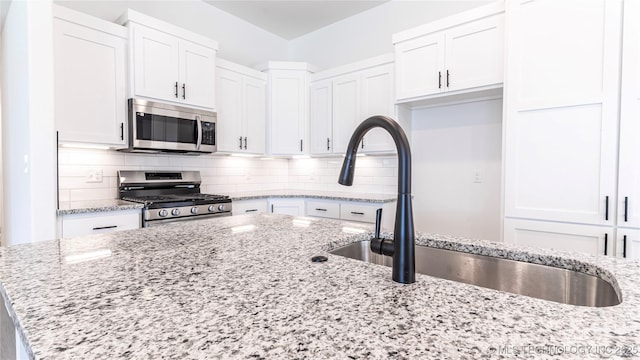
(152, 223)
(163, 127)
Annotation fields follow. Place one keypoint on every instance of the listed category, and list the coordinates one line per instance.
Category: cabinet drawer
(99, 223)
(323, 209)
(359, 212)
(249, 207)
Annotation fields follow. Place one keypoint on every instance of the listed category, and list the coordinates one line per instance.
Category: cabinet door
(628, 243)
(229, 122)
(325, 209)
(561, 111)
(155, 64)
(567, 237)
(320, 117)
(197, 75)
(254, 113)
(419, 66)
(353, 211)
(287, 111)
(89, 70)
(378, 99)
(475, 54)
(241, 207)
(293, 207)
(100, 223)
(347, 112)
(629, 165)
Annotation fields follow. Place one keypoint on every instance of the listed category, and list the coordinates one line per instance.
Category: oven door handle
(199, 125)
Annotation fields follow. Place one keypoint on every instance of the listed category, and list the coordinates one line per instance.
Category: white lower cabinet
(323, 208)
(353, 211)
(100, 223)
(241, 207)
(628, 243)
(595, 240)
(293, 207)
(359, 212)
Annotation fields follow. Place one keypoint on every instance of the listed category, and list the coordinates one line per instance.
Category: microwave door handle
(199, 125)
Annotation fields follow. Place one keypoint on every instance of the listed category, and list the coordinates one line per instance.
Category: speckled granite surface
(328, 195)
(244, 287)
(81, 207)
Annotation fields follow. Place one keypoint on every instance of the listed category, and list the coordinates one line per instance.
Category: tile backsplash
(87, 174)
(374, 174)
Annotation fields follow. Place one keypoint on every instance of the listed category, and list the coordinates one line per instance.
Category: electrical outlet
(94, 176)
(477, 177)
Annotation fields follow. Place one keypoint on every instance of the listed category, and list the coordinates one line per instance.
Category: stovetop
(171, 200)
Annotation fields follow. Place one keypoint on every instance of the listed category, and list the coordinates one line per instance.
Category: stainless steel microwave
(158, 127)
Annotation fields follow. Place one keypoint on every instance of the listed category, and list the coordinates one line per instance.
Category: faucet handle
(378, 221)
(379, 245)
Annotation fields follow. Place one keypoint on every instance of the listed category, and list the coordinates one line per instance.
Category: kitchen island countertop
(244, 287)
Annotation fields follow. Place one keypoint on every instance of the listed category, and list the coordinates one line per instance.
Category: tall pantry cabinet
(563, 184)
(628, 232)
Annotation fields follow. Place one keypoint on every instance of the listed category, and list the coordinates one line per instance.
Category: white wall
(28, 126)
(239, 41)
(449, 145)
(369, 33)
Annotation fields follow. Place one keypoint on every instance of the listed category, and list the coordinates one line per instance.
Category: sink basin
(538, 281)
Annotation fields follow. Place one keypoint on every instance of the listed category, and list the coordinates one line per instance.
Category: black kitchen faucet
(402, 247)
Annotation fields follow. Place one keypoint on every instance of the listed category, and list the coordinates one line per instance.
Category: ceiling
(291, 19)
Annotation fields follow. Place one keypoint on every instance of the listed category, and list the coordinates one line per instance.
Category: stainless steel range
(170, 196)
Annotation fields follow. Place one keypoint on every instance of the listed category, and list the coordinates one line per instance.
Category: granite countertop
(81, 207)
(244, 287)
(316, 194)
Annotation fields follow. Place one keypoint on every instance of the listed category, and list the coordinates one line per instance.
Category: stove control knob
(163, 213)
(194, 210)
(212, 208)
(221, 207)
(175, 212)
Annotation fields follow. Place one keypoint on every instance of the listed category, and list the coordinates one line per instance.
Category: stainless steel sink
(538, 281)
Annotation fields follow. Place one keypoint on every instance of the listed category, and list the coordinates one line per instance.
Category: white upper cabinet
(378, 99)
(254, 99)
(287, 107)
(347, 113)
(474, 54)
(343, 97)
(561, 110)
(90, 79)
(155, 63)
(629, 172)
(229, 122)
(170, 63)
(241, 108)
(197, 74)
(461, 53)
(419, 64)
(320, 117)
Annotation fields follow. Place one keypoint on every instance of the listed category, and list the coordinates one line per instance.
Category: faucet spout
(404, 264)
